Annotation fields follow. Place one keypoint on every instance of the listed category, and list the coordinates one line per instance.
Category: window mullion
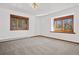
(63, 25)
(17, 23)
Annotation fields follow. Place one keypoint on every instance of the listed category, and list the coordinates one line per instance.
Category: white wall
(5, 32)
(37, 26)
(45, 24)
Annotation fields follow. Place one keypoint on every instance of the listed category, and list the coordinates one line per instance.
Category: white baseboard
(11, 39)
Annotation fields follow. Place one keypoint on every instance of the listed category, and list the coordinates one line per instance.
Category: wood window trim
(62, 19)
(18, 17)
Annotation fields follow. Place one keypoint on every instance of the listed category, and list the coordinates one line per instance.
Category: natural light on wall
(52, 26)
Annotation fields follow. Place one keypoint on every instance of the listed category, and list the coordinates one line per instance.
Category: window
(19, 22)
(64, 24)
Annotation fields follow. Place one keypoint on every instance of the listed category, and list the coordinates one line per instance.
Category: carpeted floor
(38, 46)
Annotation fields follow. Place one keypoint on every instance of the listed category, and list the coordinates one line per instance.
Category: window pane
(22, 24)
(58, 25)
(68, 24)
(13, 24)
(19, 24)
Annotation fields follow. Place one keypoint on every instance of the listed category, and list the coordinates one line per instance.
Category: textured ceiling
(44, 8)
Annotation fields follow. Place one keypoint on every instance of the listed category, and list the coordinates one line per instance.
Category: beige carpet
(38, 46)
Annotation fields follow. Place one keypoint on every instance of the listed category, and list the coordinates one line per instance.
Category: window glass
(19, 23)
(68, 24)
(59, 25)
(64, 24)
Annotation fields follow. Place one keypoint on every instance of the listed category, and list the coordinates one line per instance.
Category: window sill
(18, 30)
(63, 32)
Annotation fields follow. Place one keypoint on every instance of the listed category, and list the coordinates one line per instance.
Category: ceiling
(44, 8)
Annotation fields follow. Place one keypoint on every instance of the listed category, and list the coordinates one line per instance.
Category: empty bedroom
(39, 28)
